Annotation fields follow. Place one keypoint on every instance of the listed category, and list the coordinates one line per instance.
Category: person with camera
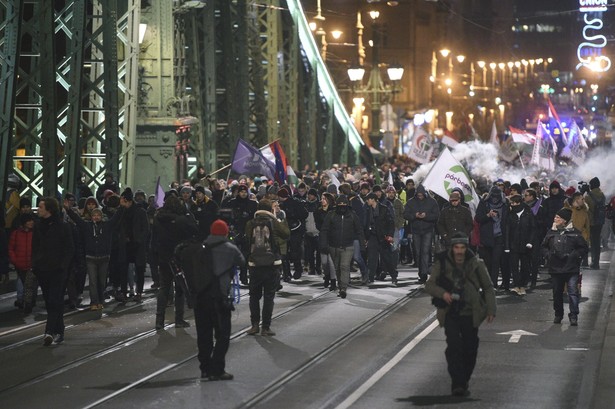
(564, 248)
(464, 296)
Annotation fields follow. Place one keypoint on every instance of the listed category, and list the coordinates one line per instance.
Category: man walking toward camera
(462, 290)
(564, 248)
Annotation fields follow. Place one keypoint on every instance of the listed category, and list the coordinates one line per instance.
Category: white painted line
(350, 400)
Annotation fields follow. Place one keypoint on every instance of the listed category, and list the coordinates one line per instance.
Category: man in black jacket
(52, 252)
(338, 233)
(242, 210)
(295, 217)
(564, 247)
(379, 229)
(172, 225)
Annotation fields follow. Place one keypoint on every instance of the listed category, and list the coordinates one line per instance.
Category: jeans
(461, 348)
(422, 247)
(328, 269)
(342, 259)
(493, 257)
(97, 275)
(558, 281)
(312, 255)
(520, 275)
(263, 284)
(595, 243)
(213, 321)
(358, 257)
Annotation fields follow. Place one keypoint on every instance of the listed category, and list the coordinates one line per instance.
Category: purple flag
(250, 161)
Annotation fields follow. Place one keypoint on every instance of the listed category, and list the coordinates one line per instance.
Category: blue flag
(250, 161)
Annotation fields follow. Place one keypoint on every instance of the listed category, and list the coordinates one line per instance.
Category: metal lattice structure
(69, 82)
(73, 75)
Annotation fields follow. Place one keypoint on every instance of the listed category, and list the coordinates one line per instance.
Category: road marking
(516, 335)
(350, 400)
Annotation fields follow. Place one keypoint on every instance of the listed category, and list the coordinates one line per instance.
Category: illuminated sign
(592, 5)
(589, 52)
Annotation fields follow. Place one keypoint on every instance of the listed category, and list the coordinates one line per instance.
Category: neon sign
(589, 52)
(592, 5)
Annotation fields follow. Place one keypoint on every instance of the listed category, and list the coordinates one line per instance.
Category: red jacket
(20, 249)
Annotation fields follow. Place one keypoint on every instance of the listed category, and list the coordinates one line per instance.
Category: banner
(494, 136)
(545, 149)
(577, 147)
(520, 136)
(507, 149)
(554, 122)
(250, 161)
(422, 146)
(446, 174)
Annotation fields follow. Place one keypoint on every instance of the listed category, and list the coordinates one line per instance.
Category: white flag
(422, 146)
(520, 136)
(576, 147)
(446, 174)
(545, 149)
(494, 136)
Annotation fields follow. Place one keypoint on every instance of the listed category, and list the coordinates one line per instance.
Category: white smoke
(481, 161)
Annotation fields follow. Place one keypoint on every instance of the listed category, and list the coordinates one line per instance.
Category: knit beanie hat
(565, 214)
(127, 194)
(460, 238)
(556, 184)
(219, 228)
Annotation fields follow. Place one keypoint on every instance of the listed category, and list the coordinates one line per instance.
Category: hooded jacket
(492, 227)
(281, 232)
(97, 236)
(580, 218)
(427, 205)
(476, 278)
(520, 230)
(169, 230)
(591, 199)
(20, 249)
(225, 256)
(341, 229)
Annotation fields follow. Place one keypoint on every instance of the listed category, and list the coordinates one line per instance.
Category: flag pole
(521, 160)
(231, 164)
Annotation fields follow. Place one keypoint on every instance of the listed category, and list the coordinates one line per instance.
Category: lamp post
(375, 88)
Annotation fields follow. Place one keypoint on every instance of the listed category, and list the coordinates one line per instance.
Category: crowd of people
(330, 224)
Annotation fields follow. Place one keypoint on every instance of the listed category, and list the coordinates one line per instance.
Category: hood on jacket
(421, 189)
(91, 199)
(264, 213)
(495, 195)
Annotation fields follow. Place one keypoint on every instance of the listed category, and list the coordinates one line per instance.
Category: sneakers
(225, 376)
(267, 332)
(557, 319)
(181, 324)
(343, 293)
(297, 275)
(58, 339)
(137, 298)
(422, 280)
(573, 320)
(253, 330)
(521, 291)
(47, 339)
(394, 281)
(460, 391)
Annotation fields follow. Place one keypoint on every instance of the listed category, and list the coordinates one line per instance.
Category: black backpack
(263, 248)
(599, 209)
(195, 259)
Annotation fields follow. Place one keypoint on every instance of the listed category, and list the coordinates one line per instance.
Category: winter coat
(552, 204)
(281, 232)
(295, 214)
(580, 219)
(205, 213)
(398, 208)
(225, 256)
(97, 236)
(427, 205)
(340, 230)
(52, 248)
(357, 204)
(487, 225)
(133, 233)
(598, 196)
(476, 277)
(564, 250)
(378, 222)
(454, 219)
(20, 249)
(540, 216)
(520, 230)
(311, 226)
(169, 230)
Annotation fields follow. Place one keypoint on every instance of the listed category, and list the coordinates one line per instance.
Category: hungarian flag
(449, 139)
(250, 161)
(545, 149)
(521, 136)
(275, 154)
(291, 176)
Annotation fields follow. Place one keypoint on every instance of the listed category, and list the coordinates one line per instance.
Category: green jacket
(281, 232)
(476, 276)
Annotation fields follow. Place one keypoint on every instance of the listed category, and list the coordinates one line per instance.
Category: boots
(326, 283)
(333, 286)
(159, 322)
(253, 330)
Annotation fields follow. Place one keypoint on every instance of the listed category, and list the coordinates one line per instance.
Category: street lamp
(376, 89)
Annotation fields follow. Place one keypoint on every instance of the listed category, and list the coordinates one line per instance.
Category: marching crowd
(329, 224)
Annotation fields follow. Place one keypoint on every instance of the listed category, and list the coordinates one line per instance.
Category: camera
(583, 187)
